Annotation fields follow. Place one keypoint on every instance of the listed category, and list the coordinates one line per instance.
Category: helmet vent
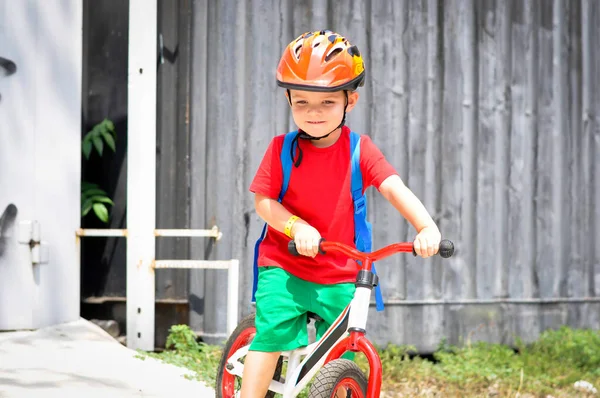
(338, 48)
(354, 51)
(332, 54)
(296, 50)
(318, 40)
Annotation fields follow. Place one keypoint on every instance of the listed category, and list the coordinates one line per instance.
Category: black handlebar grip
(292, 248)
(446, 249)
(294, 252)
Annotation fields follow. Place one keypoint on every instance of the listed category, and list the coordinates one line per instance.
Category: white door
(40, 161)
(17, 188)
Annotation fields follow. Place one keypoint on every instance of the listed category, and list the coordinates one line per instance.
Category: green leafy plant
(92, 196)
(100, 133)
(182, 338)
(183, 350)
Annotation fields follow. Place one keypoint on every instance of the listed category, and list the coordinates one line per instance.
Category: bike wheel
(228, 385)
(340, 378)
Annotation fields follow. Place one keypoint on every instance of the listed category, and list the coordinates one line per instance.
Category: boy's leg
(280, 326)
(258, 373)
(329, 303)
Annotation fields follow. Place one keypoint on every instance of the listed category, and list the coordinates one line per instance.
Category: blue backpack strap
(362, 228)
(286, 164)
(286, 161)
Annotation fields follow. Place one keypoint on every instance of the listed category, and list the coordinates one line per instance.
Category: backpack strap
(286, 164)
(362, 228)
(286, 161)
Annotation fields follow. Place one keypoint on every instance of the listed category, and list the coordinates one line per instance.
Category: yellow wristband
(289, 224)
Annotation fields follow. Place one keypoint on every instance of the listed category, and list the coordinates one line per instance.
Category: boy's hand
(427, 242)
(306, 238)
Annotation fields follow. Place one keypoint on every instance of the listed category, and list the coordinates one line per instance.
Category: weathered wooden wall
(489, 110)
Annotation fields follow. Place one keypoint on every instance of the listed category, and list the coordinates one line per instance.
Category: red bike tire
(337, 374)
(241, 336)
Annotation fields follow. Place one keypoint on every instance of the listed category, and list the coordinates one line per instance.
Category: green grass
(549, 366)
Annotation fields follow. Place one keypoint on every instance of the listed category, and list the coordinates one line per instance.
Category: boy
(321, 72)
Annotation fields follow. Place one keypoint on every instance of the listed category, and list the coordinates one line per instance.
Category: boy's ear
(352, 100)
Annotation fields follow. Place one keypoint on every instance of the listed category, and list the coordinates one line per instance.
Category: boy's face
(318, 113)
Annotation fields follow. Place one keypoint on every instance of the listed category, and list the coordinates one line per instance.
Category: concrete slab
(81, 359)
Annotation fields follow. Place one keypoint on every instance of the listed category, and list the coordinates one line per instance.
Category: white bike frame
(299, 373)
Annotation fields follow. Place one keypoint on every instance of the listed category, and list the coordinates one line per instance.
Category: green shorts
(282, 301)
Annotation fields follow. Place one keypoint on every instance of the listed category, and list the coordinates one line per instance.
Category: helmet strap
(305, 136)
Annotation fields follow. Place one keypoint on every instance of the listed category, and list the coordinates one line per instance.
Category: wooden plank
(173, 143)
(387, 73)
(492, 147)
(469, 60)
(416, 35)
(351, 19)
(460, 137)
(545, 245)
(432, 193)
(519, 271)
(282, 13)
(202, 12)
(300, 18)
(226, 95)
(319, 14)
(451, 149)
(527, 250)
(418, 270)
(587, 228)
(559, 134)
(592, 70)
(577, 187)
(502, 148)
(243, 80)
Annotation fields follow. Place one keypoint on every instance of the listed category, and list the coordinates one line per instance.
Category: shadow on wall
(7, 68)
(7, 219)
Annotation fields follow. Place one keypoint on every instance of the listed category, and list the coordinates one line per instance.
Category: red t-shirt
(319, 193)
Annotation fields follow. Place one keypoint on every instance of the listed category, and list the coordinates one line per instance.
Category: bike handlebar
(446, 250)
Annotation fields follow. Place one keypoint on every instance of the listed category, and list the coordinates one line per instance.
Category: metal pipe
(122, 299)
(200, 333)
(102, 233)
(551, 300)
(178, 233)
(194, 264)
(189, 233)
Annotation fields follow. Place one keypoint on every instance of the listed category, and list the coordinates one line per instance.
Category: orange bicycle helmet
(321, 61)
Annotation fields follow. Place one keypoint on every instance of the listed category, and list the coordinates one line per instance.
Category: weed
(549, 366)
